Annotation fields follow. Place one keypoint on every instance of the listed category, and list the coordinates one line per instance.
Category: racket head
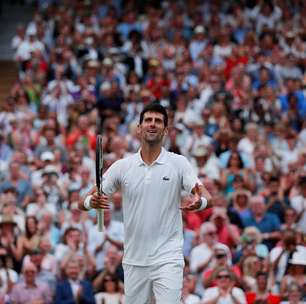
(99, 162)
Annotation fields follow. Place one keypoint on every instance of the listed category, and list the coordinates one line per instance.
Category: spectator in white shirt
(224, 292)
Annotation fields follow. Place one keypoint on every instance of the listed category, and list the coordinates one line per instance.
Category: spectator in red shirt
(262, 291)
(83, 134)
(228, 233)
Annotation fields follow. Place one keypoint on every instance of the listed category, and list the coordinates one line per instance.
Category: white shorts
(162, 282)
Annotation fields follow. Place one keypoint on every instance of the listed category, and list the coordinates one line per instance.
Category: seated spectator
(189, 295)
(296, 272)
(112, 292)
(224, 292)
(113, 235)
(205, 162)
(280, 255)
(295, 295)
(298, 202)
(241, 203)
(223, 259)
(262, 292)
(71, 289)
(250, 266)
(274, 198)
(235, 167)
(227, 233)
(250, 245)
(31, 237)
(202, 255)
(19, 181)
(31, 290)
(290, 219)
(9, 242)
(36, 256)
(267, 223)
(112, 266)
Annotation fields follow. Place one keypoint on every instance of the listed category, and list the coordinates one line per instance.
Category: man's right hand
(99, 201)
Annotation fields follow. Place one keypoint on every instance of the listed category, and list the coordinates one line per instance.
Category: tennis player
(151, 182)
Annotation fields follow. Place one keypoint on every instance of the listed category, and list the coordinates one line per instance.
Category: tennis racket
(99, 176)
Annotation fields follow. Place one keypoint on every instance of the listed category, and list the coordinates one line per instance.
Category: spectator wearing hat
(197, 138)
(225, 290)
(197, 43)
(296, 271)
(205, 162)
(51, 186)
(48, 142)
(46, 158)
(31, 289)
(267, 223)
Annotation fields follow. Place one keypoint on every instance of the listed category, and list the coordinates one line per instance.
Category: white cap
(107, 61)
(199, 29)
(199, 151)
(105, 86)
(48, 155)
(298, 258)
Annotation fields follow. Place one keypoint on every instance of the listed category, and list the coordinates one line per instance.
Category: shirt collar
(161, 159)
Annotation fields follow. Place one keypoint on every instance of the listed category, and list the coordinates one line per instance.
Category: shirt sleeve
(189, 177)
(112, 177)
(239, 295)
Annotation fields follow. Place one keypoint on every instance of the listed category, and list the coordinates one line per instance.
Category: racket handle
(100, 215)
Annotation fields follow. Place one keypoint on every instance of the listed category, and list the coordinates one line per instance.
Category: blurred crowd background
(232, 76)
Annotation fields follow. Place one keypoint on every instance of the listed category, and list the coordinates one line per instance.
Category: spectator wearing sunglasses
(224, 292)
(222, 259)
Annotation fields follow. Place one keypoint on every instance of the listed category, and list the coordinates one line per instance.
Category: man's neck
(150, 153)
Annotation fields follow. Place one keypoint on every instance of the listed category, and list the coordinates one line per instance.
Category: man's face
(72, 270)
(152, 129)
(29, 273)
(258, 208)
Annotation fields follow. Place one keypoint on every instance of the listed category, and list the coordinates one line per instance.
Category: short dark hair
(154, 107)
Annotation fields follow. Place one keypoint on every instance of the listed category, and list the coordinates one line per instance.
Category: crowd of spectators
(232, 75)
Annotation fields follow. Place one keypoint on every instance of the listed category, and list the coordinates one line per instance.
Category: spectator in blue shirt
(267, 223)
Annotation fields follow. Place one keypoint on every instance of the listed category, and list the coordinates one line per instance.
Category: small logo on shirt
(166, 178)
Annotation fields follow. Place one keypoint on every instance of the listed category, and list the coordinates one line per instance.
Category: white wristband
(203, 203)
(87, 202)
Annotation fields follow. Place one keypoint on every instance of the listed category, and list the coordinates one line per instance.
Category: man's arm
(201, 199)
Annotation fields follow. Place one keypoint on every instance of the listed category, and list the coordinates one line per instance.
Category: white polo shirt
(151, 197)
